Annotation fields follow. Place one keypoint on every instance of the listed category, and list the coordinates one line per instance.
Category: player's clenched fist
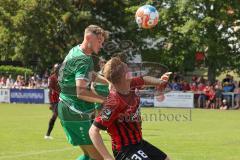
(165, 76)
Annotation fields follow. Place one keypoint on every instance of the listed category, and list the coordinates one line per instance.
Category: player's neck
(123, 88)
(86, 50)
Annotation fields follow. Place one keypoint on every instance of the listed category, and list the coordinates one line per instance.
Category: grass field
(182, 133)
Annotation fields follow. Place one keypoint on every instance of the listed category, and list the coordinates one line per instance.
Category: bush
(15, 70)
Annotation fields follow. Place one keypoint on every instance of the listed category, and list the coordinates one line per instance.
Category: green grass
(196, 135)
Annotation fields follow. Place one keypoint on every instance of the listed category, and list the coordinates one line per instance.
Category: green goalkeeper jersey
(76, 65)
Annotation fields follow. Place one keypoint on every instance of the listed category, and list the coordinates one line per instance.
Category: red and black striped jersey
(121, 117)
(53, 88)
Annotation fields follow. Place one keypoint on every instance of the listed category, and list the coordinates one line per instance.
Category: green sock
(83, 157)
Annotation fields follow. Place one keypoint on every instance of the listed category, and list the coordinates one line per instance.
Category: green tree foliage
(15, 70)
(39, 32)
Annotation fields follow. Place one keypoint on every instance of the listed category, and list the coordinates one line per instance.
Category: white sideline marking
(35, 153)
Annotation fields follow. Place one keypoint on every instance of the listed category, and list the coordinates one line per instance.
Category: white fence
(175, 99)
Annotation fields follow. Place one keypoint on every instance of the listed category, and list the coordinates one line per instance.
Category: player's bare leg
(91, 151)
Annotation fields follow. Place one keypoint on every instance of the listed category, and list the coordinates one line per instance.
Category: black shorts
(140, 151)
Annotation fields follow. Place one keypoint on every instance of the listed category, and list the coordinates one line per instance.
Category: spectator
(211, 97)
(44, 83)
(228, 79)
(206, 91)
(237, 96)
(228, 87)
(185, 86)
(201, 97)
(175, 86)
(38, 83)
(31, 82)
(194, 78)
(19, 83)
(176, 77)
(201, 80)
(9, 82)
(193, 87)
(224, 105)
(218, 94)
(46, 74)
(2, 81)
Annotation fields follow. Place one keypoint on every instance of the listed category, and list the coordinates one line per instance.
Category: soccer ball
(147, 16)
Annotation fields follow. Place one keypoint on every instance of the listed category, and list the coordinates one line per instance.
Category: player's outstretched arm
(97, 140)
(152, 81)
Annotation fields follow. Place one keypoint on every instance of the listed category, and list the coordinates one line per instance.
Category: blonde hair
(97, 31)
(114, 70)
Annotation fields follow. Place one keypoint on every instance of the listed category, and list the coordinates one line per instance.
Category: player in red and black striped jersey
(53, 98)
(121, 117)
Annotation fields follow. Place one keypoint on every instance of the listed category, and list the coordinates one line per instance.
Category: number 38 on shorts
(139, 155)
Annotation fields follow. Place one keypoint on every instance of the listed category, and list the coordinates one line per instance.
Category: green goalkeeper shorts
(75, 125)
(77, 132)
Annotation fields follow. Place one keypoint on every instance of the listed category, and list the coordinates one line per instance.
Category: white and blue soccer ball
(147, 16)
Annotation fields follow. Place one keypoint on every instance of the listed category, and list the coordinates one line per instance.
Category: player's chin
(96, 51)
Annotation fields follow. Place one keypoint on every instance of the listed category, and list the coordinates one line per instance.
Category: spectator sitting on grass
(224, 105)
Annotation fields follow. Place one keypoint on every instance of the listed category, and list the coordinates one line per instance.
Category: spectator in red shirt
(193, 87)
(2, 81)
(121, 117)
(185, 86)
(210, 98)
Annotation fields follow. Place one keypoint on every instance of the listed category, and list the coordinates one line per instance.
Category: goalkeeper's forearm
(153, 81)
(100, 79)
(89, 96)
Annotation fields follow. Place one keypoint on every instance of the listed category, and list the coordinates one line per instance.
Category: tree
(38, 32)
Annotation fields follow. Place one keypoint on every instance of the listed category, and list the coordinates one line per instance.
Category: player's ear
(88, 36)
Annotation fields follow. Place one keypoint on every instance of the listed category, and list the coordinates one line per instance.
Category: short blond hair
(97, 31)
(114, 69)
